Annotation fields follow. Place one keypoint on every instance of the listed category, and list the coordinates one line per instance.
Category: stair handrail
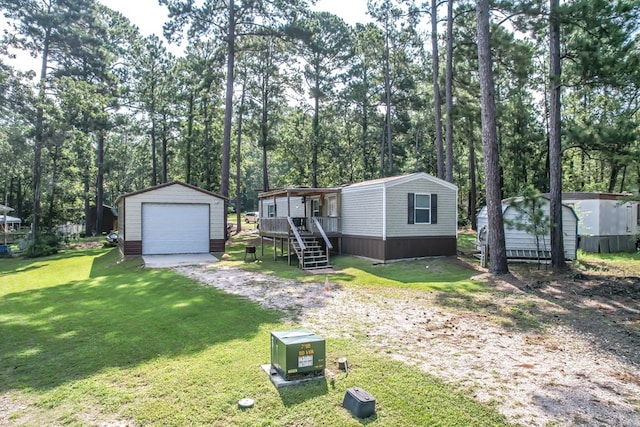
(293, 228)
(322, 233)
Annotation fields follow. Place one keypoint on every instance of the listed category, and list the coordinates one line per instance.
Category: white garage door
(175, 229)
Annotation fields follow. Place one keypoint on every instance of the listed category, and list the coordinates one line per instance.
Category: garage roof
(167, 184)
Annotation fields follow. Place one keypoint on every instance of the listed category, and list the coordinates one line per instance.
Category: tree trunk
(189, 140)
(365, 132)
(264, 127)
(207, 143)
(39, 139)
(228, 112)
(624, 177)
(165, 155)
(613, 177)
(154, 146)
(238, 160)
(265, 171)
(387, 91)
(449, 94)
(100, 182)
(382, 145)
(88, 227)
(436, 88)
(316, 131)
(497, 249)
(19, 198)
(473, 187)
(12, 191)
(555, 150)
(54, 183)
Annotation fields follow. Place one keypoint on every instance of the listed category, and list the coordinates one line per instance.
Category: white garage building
(171, 218)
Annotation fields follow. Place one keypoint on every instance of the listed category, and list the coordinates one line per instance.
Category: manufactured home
(409, 216)
(524, 244)
(607, 222)
(171, 218)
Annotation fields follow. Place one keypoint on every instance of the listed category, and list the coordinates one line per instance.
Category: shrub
(46, 244)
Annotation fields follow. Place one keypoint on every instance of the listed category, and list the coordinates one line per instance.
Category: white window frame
(332, 203)
(416, 208)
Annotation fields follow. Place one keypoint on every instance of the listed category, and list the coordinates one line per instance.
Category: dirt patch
(604, 307)
(545, 349)
(87, 244)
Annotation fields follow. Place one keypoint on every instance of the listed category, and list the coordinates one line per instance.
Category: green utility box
(297, 353)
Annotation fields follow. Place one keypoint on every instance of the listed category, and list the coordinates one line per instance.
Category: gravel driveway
(544, 352)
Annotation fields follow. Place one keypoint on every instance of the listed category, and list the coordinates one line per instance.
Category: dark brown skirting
(135, 247)
(399, 247)
(132, 247)
(216, 245)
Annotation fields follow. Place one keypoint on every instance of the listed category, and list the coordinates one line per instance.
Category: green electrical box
(297, 353)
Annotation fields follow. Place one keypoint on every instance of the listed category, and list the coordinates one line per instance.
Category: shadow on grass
(440, 273)
(523, 315)
(119, 317)
(297, 394)
(602, 309)
(25, 265)
(21, 269)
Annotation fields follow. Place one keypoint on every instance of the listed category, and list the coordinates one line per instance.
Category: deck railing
(327, 242)
(271, 226)
(330, 224)
(281, 226)
(293, 228)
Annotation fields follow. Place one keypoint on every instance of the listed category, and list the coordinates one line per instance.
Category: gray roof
(10, 219)
(5, 209)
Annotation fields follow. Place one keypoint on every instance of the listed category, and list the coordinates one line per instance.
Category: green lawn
(87, 340)
(434, 274)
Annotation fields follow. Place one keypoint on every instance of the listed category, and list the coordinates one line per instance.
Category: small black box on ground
(360, 403)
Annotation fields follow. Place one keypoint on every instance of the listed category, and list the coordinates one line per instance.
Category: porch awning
(301, 191)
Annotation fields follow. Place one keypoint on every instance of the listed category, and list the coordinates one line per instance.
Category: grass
(624, 264)
(467, 241)
(87, 340)
(433, 274)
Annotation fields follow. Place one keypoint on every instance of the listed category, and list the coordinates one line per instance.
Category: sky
(149, 16)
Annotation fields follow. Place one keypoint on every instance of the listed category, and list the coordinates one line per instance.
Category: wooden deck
(307, 238)
(280, 227)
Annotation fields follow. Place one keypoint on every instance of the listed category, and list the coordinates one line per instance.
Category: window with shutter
(434, 209)
(423, 208)
(411, 204)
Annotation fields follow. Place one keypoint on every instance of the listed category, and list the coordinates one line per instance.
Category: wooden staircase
(314, 256)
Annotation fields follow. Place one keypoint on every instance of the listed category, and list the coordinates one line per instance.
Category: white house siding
(397, 208)
(605, 217)
(613, 219)
(297, 207)
(521, 240)
(174, 193)
(521, 244)
(605, 225)
(120, 208)
(362, 211)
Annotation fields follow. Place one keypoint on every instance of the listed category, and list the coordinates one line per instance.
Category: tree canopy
(311, 100)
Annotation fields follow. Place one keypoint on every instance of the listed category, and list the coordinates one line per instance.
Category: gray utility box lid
(359, 402)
